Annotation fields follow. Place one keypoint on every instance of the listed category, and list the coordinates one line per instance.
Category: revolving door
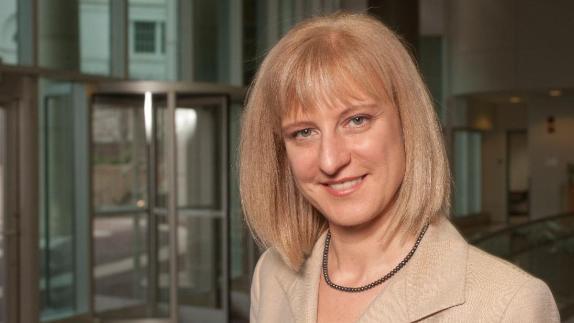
(160, 202)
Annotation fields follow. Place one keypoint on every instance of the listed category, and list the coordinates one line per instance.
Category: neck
(360, 255)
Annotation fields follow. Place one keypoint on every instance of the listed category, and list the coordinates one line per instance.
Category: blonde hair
(331, 57)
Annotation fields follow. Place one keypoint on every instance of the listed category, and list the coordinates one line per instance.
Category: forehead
(323, 72)
(329, 107)
(334, 96)
(333, 99)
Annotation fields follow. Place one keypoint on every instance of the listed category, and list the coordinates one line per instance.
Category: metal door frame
(74, 93)
(10, 230)
(223, 213)
(227, 95)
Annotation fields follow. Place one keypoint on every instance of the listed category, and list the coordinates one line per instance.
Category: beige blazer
(447, 280)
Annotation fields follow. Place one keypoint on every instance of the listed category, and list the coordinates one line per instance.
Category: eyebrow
(349, 110)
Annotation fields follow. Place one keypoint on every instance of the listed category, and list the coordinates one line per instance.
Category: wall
(495, 118)
(497, 45)
(549, 154)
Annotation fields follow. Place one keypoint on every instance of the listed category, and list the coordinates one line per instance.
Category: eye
(303, 133)
(358, 121)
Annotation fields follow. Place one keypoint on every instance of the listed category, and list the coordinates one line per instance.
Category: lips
(345, 186)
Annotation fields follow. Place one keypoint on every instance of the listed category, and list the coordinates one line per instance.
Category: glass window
(201, 189)
(58, 37)
(467, 172)
(126, 254)
(144, 39)
(8, 32)
(152, 39)
(74, 35)
(431, 64)
(120, 260)
(119, 155)
(64, 213)
(95, 36)
(58, 241)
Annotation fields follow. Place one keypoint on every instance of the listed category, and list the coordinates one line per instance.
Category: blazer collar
(436, 279)
(433, 280)
(302, 288)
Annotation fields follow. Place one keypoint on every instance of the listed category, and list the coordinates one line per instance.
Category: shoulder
(483, 267)
(266, 265)
(511, 293)
(270, 265)
(270, 278)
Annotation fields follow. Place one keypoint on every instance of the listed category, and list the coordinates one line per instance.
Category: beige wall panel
(549, 154)
(508, 45)
(482, 72)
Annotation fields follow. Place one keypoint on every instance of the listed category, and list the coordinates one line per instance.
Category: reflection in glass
(199, 174)
(74, 35)
(543, 248)
(120, 260)
(152, 39)
(119, 167)
(58, 242)
(200, 264)
(467, 172)
(126, 251)
(119, 154)
(8, 32)
(58, 36)
(162, 253)
(198, 132)
(95, 36)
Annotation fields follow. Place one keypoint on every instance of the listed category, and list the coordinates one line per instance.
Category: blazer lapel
(434, 279)
(302, 288)
(437, 279)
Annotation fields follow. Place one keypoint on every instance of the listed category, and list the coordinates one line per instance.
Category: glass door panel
(201, 179)
(64, 289)
(125, 251)
(119, 153)
(133, 230)
(59, 273)
(120, 260)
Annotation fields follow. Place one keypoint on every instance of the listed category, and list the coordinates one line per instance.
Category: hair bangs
(328, 71)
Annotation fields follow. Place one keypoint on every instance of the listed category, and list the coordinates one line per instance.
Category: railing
(544, 248)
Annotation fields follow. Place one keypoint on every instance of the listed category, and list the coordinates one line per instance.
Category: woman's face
(347, 160)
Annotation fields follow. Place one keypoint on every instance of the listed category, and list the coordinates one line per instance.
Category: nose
(334, 155)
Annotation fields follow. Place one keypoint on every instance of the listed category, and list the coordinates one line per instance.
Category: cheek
(303, 163)
(383, 150)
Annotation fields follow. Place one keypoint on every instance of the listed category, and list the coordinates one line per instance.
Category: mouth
(345, 186)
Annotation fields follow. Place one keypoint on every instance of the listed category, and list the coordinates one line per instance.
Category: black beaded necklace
(376, 282)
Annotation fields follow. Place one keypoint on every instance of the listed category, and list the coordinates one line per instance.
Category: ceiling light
(555, 93)
(515, 99)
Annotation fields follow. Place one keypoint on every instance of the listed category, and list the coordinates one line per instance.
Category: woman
(344, 177)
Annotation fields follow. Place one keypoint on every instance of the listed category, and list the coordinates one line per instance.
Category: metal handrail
(536, 240)
(511, 228)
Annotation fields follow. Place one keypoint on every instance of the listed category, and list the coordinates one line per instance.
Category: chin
(353, 220)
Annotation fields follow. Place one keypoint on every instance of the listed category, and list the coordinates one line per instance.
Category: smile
(345, 187)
